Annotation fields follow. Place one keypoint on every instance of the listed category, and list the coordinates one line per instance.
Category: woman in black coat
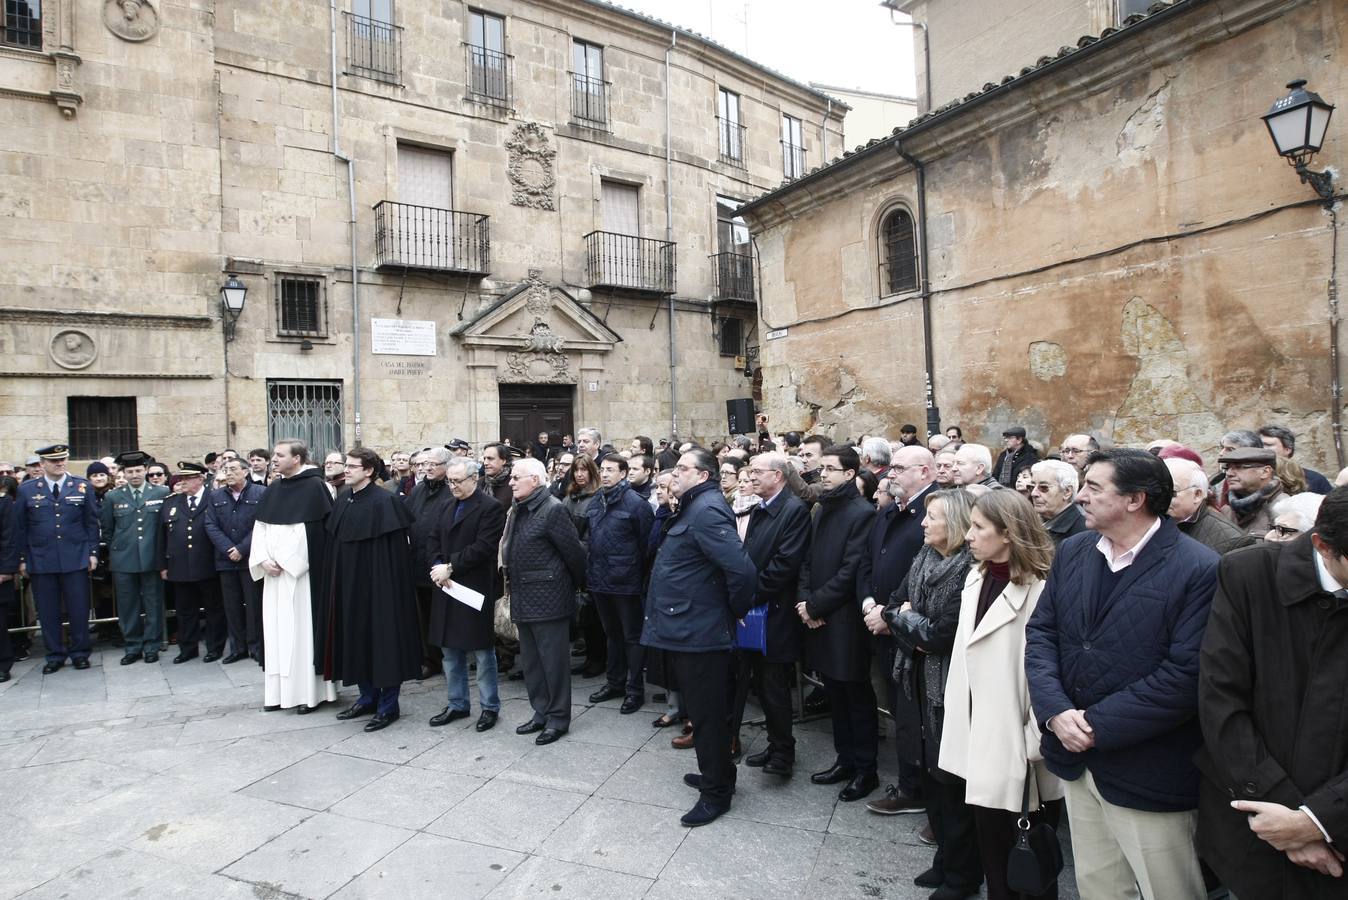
(462, 549)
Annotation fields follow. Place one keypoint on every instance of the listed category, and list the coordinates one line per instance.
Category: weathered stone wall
(1181, 290)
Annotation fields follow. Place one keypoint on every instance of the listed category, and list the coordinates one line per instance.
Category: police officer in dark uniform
(187, 561)
(56, 532)
(230, 513)
(130, 525)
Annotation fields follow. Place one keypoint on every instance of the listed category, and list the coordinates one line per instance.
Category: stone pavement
(170, 781)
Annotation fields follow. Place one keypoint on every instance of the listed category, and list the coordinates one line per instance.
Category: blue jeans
(456, 678)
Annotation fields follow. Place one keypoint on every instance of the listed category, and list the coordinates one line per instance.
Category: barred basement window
(101, 426)
(301, 307)
(732, 336)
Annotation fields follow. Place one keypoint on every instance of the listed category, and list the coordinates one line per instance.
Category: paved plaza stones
(169, 781)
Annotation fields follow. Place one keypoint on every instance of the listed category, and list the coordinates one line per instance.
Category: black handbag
(1036, 859)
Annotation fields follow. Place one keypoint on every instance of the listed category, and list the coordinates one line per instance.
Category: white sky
(845, 43)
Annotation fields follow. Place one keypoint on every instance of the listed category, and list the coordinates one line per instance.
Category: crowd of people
(1137, 642)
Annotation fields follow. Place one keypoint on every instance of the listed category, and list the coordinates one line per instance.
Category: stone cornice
(90, 317)
(155, 375)
(1034, 94)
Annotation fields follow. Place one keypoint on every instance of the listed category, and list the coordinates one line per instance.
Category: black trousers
(242, 598)
(195, 599)
(856, 724)
(952, 821)
(774, 692)
(596, 642)
(7, 602)
(907, 717)
(703, 680)
(432, 657)
(621, 616)
(997, 835)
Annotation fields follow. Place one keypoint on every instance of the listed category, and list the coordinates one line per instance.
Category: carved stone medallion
(537, 368)
(131, 20)
(73, 350)
(531, 166)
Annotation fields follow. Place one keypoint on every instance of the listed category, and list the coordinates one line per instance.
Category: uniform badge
(173, 511)
(81, 489)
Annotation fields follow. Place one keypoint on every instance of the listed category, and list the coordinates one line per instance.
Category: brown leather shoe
(683, 741)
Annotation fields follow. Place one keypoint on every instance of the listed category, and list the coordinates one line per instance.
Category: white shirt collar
(1327, 581)
(1124, 560)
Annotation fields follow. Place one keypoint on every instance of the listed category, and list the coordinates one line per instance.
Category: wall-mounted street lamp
(1297, 124)
(232, 296)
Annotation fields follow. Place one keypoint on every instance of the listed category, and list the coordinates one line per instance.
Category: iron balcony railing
(732, 141)
(589, 101)
(489, 76)
(372, 48)
(733, 276)
(793, 160)
(423, 237)
(628, 261)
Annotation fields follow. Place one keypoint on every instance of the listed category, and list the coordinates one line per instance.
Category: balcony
(489, 76)
(793, 160)
(372, 48)
(629, 262)
(589, 102)
(731, 141)
(440, 240)
(733, 277)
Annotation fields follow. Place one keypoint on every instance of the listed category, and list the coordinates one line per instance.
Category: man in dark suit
(130, 525)
(187, 561)
(894, 540)
(837, 646)
(462, 550)
(230, 513)
(779, 530)
(56, 537)
(545, 564)
(428, 499)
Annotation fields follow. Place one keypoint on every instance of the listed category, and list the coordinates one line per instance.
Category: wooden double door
(527, 409)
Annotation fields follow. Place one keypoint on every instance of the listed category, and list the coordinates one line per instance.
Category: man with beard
(289, 541)
(427, 500)
(496, 466)
(367, 619)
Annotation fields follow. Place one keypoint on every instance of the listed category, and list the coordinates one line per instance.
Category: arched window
(898, 254)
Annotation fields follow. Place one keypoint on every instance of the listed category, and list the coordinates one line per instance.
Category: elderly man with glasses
(1053, 487)
(426, 503)
(1075, 448)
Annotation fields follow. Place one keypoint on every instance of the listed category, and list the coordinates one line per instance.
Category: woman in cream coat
(990, 732)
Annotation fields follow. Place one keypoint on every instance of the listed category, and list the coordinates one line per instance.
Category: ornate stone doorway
(527, 409)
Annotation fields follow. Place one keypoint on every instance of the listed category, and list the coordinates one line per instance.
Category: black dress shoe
(5, 676)
(304, 710)
(51, 667)
(529, 727)
(233, 658)
(858, 787)
(210, 657)
(152, 656)
(548, 735)
(81, 663)
(834, 775)
(694, 780)
(779, 766)
(631, 705)
(759, 759)
(950, 892)
(932, 878)
(703, 813)
(516, 676)
(607, 692)
(447, 715)
(355, 711)
(379, 721)
(487, 720)
(272, 708)
(184, 657)
(131, 657)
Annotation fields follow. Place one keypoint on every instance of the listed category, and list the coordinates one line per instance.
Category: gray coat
(1216, 531)
(544, 559)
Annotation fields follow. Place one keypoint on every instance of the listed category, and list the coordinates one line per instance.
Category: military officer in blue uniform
(56, 532)
(187, 561)
(130, 523)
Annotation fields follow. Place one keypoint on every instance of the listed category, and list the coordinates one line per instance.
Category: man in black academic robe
(367, 629)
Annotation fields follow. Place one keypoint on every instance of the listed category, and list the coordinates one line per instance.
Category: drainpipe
(933, 411)
(669, 237)
(351, 196)
(926, 54)
(1335, 384)
(823, 135)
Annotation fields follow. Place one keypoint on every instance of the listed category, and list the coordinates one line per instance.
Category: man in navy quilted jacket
(1111, 657)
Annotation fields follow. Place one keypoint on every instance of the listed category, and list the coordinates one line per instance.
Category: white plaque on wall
(402, 337)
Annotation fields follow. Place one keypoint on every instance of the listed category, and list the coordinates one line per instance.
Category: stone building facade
(1108, 242)
(495, 176)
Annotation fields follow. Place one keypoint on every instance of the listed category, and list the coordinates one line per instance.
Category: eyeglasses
(1286, 531)
(353, 465)
(1070, 451)
(458, 481)
(1235, 465)
(1041, 488)
(156, 474)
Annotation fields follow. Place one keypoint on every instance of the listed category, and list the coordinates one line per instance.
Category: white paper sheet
(465, 595)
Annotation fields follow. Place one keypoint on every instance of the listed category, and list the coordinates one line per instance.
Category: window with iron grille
(23, 24)
(301, 306)
(488, 65)
(793, 147)
(732, 336)
(101, 426)
(898, 254)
